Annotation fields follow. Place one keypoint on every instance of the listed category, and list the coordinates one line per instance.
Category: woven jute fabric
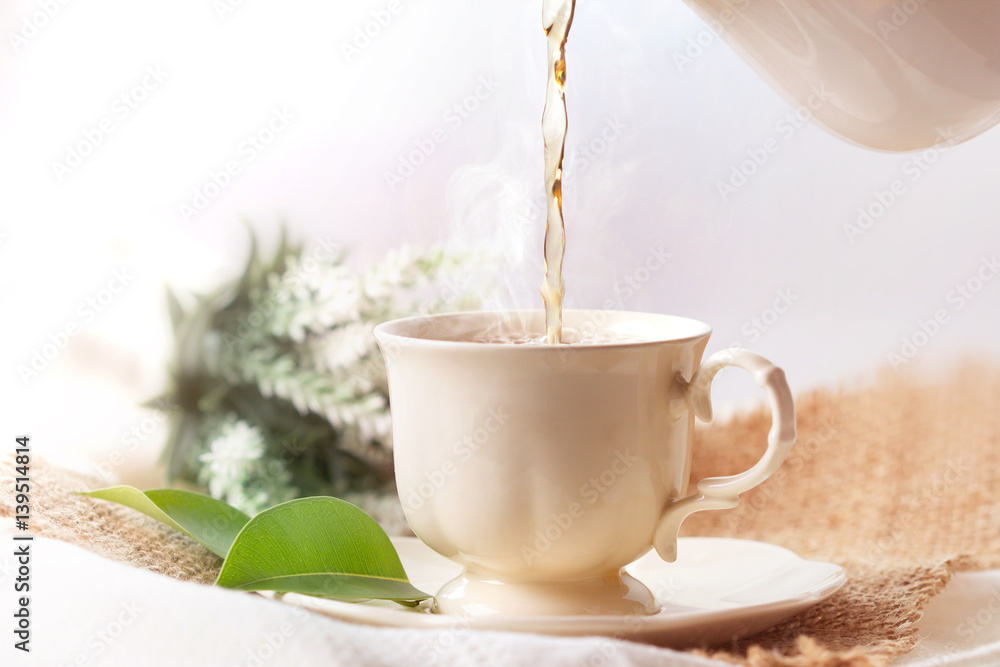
(898, 481)
(110, 530)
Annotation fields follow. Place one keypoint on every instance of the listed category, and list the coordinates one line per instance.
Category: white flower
(238, 444)
(232, 456)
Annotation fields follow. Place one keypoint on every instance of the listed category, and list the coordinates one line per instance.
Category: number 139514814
(22, 483)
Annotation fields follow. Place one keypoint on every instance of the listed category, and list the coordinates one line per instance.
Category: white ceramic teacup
(545, 469)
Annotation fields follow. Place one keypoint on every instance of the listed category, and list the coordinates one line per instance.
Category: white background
(355, 115)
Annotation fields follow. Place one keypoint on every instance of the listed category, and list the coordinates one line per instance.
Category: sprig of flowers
(278, 383)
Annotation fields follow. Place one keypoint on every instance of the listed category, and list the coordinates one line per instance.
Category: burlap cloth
(898, 481)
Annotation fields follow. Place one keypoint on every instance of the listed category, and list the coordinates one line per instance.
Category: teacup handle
(718, 493)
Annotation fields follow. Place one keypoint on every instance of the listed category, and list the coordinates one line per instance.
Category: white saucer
(718, 590)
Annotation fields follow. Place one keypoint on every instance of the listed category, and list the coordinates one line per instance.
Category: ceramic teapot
(893, 75)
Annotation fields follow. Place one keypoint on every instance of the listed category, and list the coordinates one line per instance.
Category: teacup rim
(384, 331)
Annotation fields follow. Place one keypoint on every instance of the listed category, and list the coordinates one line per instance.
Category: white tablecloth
(86, 610)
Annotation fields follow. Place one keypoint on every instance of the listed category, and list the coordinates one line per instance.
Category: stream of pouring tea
(557, 17)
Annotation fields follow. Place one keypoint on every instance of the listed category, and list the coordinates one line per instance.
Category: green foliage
(317, 546)
(278, 389)
(212, 523)
(314, 546)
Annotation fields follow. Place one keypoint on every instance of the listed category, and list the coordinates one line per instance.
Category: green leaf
(211, 522)
(320, 546)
